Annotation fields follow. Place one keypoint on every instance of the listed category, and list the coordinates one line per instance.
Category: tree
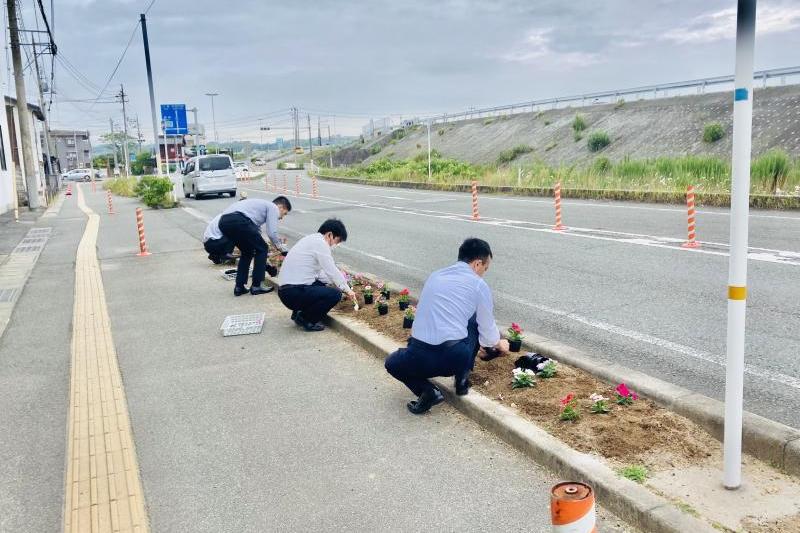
(143, 163)
(117, 141)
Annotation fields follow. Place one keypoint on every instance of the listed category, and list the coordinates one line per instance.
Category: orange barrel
(572, 508)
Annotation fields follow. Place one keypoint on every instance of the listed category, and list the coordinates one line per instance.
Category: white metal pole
(429, 150)
(737, 269)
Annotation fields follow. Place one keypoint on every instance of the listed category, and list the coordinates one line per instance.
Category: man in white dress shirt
(306, 271)
(455, 316)
(218, 246)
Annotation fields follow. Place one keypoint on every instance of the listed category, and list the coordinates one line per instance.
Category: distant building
(171, 147)
(70, 148)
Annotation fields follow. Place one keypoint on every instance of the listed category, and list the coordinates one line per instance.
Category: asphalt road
(616, 284)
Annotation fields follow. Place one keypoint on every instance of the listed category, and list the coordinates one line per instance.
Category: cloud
(721, 25)
(537, 48)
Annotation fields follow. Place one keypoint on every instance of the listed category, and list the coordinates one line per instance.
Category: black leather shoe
(238, 291)
(313, 326)
(258, 289)
(217, 260)
(272, 271)
(462, 386)
(426, 400)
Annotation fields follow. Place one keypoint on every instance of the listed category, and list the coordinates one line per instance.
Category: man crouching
(455, 316)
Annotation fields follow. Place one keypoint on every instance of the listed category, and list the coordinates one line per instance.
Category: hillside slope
(641, 129)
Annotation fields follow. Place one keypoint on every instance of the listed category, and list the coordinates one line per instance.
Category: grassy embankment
(772, 170)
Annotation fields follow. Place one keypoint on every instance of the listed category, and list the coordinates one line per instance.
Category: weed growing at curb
(713, 132)
(635, 473)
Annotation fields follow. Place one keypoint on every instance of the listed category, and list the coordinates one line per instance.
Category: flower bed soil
(640, 433)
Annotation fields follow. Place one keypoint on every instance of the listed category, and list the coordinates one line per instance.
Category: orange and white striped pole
(475, 214)
(690, 242)
(69, 190)
(285, 185)
(140, 229)
(314, 187)
(297, 185)
(557, 190)
(572, 508)
(94, 187)
(109, 202)
(275, 183)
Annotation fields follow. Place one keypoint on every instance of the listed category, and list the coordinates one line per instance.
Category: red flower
(515, 328)
(567, 399)
(623, 391)
(404, 292)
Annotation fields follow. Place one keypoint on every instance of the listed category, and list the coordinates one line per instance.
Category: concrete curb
(770, 441)
(628, 500)
(760, 201)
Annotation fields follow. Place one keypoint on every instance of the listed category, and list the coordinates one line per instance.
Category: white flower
(520, 372)
(598, 398)
(368, 288)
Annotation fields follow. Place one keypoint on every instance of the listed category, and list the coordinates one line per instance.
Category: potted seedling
(384, 290)
(403, 299)
(408, 316)
(514, 335)
(382, 306)
(367, 295)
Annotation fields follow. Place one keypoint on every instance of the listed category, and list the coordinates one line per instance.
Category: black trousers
(419, 361)
(244, 234)
(314, 300)
(218, 248)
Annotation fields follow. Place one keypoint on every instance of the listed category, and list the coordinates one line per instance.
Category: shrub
(398, 134)
(579, 124)
(547, 122)
(376, 149)
(713, 132)
(121, 186)
(598, 140)
(155, 191)
(441, 131)
(620, 103)
(601, 165)
(506, 156)
(488, 121)
(419, 146)
(771, 169)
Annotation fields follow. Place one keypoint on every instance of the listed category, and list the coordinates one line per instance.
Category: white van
(209, 174)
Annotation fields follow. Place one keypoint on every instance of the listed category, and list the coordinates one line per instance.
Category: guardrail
(647, 91)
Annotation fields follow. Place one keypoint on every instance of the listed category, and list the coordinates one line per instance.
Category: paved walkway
(281, 431)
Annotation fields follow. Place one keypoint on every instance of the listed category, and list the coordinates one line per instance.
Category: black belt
(442, 346)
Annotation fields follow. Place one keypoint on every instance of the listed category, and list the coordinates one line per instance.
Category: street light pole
(214, 118)
(429, 150)
(146, 42)
(737, 264)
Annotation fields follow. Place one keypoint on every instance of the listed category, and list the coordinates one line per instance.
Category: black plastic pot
(514, 346)
(403, 305)
(383, 310)
(368, 299)
(407, 322)
(386, 294)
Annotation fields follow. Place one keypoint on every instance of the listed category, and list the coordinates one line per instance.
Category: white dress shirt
(260, 212)
(449, 299)
(310, 260)
(212, 230)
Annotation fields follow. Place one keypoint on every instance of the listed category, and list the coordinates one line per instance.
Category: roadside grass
(635, 473)
(122, 186)
(664, 174)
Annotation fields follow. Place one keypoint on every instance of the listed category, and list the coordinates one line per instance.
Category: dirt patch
(639, 433)
(790, 524)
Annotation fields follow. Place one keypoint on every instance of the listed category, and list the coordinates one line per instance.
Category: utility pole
(737, 262)
(116, 163)
(310, 144)
(52, 179)
(143, 21)
(139, 134)
(30, 174)
(75, 144)
(214, 118)
(319, 133)
(127, 156)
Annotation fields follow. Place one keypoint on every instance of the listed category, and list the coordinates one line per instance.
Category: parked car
(209, 174)
(259, 162)
(80, 174)
(241, 167)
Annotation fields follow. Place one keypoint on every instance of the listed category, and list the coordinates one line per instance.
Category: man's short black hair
(472, 249)
(336, 227)
(283, 201)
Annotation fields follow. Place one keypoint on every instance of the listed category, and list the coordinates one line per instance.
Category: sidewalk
(281, 431)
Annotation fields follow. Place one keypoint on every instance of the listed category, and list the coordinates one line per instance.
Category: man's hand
(503, 346)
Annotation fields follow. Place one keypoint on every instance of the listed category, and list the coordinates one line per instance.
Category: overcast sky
(379, 57)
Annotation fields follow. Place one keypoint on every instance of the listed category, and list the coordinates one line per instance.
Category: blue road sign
(173, 116)
(201, 149)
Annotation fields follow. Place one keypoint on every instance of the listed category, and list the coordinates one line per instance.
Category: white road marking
(389, 197)
(783, 257)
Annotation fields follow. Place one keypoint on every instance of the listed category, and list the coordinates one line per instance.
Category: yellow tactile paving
(103, 492)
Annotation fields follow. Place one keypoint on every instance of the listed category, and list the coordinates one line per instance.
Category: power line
(121, 58)
(53, 47)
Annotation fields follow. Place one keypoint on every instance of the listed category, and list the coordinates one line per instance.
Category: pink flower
(634, 396)
(567, 399)
(622, 390)
(515, 328)
(404, 292)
